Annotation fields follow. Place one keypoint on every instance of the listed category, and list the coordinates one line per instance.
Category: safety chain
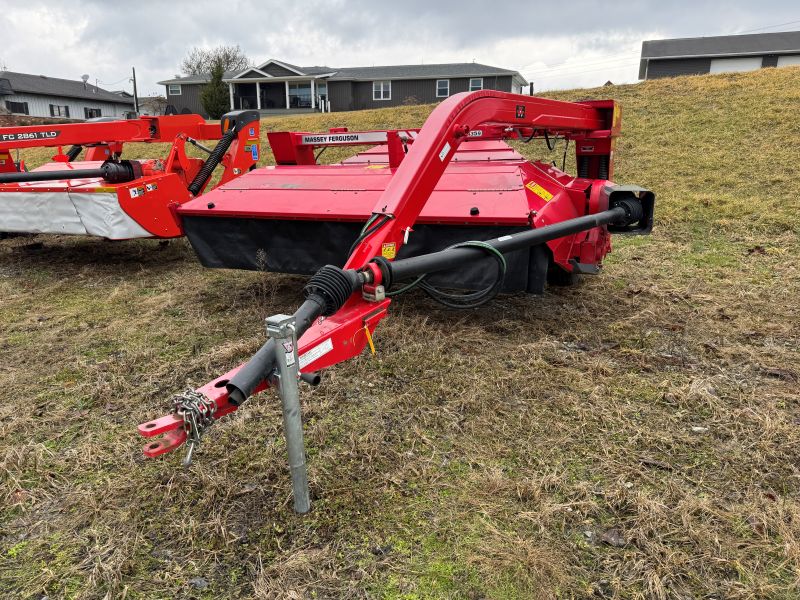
(197, 413)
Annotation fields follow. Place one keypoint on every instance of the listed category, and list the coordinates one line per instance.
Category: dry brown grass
(636, 436)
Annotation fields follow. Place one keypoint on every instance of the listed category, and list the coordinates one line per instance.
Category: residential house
(719, 54)
(277, 87)
(43, 96)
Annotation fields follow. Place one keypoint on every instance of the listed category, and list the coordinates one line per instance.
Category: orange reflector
(369, 339)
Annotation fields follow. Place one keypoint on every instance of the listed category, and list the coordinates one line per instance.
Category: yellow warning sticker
(376, 167)
(389, 250)
(539, 191)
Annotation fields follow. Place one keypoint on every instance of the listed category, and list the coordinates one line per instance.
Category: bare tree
(153, 105)
(200, 61)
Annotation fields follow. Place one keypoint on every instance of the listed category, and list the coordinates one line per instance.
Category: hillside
(636, 436)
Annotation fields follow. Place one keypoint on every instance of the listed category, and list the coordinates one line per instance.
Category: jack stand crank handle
(281, 328)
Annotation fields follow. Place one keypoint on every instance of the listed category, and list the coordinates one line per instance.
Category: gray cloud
(557, 43)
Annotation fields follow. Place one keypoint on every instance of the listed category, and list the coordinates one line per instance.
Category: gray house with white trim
(43, 96)
(275, 87)
(720, 54)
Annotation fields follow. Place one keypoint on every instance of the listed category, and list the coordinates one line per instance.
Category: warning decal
(539, 191)
(445, 151)
(389, 250)
(316, 352)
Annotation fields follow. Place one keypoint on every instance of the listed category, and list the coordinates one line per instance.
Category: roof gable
(251, 73)
(280, 68)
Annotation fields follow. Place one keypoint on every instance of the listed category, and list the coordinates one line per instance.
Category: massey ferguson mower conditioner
(449, 208)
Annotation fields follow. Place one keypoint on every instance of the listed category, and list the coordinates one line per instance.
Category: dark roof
(371, 73)
(421, 71)
(724, 45)
(54, 86)
(318, 70)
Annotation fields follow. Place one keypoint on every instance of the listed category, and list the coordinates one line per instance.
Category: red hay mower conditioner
(448, 206)
(106, 196)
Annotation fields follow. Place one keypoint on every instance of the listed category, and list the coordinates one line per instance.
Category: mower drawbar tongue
(112, 171)
(331, 286)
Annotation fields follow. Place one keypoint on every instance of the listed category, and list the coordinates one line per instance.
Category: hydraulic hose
(74, 153)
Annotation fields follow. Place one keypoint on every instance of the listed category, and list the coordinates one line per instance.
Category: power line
(115, 82)
(561, 75)
(770, 26)
(566, 63)
(561, 70)
(583, 64)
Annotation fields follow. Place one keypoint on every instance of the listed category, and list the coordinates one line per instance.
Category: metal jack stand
(281, 328)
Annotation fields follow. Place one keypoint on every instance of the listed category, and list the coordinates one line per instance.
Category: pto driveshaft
(112, 172)
(330, 288)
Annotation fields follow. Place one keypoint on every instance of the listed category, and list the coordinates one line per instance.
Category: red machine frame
(593, 126)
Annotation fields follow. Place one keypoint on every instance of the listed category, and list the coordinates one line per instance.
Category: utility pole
(135, 95)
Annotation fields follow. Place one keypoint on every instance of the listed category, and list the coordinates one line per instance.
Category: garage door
(788, 60)
(730, 65)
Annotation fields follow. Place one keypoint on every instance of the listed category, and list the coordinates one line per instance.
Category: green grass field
(635, 436)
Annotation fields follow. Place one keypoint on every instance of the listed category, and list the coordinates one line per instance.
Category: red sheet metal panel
(349, 191)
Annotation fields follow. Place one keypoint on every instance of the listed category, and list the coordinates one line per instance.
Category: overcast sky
(555, 44)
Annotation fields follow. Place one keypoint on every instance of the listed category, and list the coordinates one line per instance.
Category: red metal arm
(446, 128)
(144, 129)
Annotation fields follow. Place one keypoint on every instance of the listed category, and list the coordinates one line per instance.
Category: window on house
(91, 113)
(174, 89)
(18, 108)
(442, 88)
(300, 95)
(476, 83)
(381, 90)
(59, 110)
